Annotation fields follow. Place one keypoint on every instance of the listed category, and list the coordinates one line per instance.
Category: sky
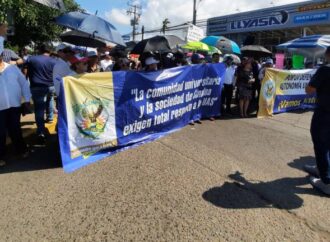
(177, 11)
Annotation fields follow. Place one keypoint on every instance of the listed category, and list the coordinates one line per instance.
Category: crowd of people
(37, 78)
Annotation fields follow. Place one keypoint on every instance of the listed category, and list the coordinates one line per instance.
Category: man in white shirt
(62, 67)
(229, 83)
(106, 62)
(13, 87)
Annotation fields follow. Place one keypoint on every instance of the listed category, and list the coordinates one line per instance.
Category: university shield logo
(91, 119)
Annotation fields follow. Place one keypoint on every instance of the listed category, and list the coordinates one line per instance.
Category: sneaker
(319, 185)
(212, 119)
(192, 123)
(2, 163)
(198, 121)
(312, 170)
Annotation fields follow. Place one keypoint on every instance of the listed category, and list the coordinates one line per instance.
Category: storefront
(272, 26)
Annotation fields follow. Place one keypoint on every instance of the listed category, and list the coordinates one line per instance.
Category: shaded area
(42, 156)
(243, 194)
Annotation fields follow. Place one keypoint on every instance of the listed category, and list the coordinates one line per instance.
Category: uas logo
(277, 18)
(269, 90)
(91, 120)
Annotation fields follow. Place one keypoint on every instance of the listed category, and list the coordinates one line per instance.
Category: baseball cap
(269, 61)
(151, 60)
(78, 58)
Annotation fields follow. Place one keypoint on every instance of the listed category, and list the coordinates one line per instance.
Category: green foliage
(33, 22)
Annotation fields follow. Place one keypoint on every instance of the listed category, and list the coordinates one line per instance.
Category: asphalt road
(228, 180)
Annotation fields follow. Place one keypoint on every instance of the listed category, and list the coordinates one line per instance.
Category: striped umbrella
(309, 46)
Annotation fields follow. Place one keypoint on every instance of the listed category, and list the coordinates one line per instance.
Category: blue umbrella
(310, 46)
(312, 41)
(226, 46)
(92, 25)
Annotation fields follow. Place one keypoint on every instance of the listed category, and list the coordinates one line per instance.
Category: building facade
(272, 26)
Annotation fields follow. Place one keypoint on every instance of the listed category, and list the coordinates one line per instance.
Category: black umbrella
(82, 39)
(255, 51)
(119, 50)
(161, 44)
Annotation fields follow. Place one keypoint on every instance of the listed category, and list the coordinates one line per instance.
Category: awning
(58, 4)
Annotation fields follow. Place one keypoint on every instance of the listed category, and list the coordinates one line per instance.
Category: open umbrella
(82, 39)
(200, 46)
(57, 4)
(255, 51)
(93, 25)
(226, 46)
(157, 43)
(309, 46)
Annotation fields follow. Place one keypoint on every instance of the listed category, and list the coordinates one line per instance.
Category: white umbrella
(58, 4)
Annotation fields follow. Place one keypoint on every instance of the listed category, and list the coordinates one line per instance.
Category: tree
(165, 27)
(33, 22)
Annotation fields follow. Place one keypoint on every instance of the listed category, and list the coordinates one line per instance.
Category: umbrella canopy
(157, 43)
(119, 50)
(227, 46)
(58, 4)
(93, 25)
(309, 46)
(82, 39)
(200, 46)
(255, 51)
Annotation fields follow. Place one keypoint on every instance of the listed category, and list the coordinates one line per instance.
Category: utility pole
(135, 11)
(142, 30)
(194, 13)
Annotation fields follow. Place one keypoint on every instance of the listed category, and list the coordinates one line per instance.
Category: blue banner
(104, 113)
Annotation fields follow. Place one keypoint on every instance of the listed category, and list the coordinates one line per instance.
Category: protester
(244, 81)
(106, 62)
(151, 64)
(179, 59)
(14, 88)
(215, 58)
(40, 73)
(93, 62)
(268, 64)
(229, 82)
(24, 53)
(196, 59)
(62, 66)
(320, 127)
(11, 57)
(79, 65)
(122, 64)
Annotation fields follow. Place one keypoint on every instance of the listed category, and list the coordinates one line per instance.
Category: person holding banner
(244, 82)
(320, 127)
(13, 88)
(229, 83)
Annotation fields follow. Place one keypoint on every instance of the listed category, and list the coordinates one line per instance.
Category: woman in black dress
(245, 81)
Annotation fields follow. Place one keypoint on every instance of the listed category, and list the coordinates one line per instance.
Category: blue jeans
(320, 130)
(43, 100)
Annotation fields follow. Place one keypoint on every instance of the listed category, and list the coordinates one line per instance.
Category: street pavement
(228, 180)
